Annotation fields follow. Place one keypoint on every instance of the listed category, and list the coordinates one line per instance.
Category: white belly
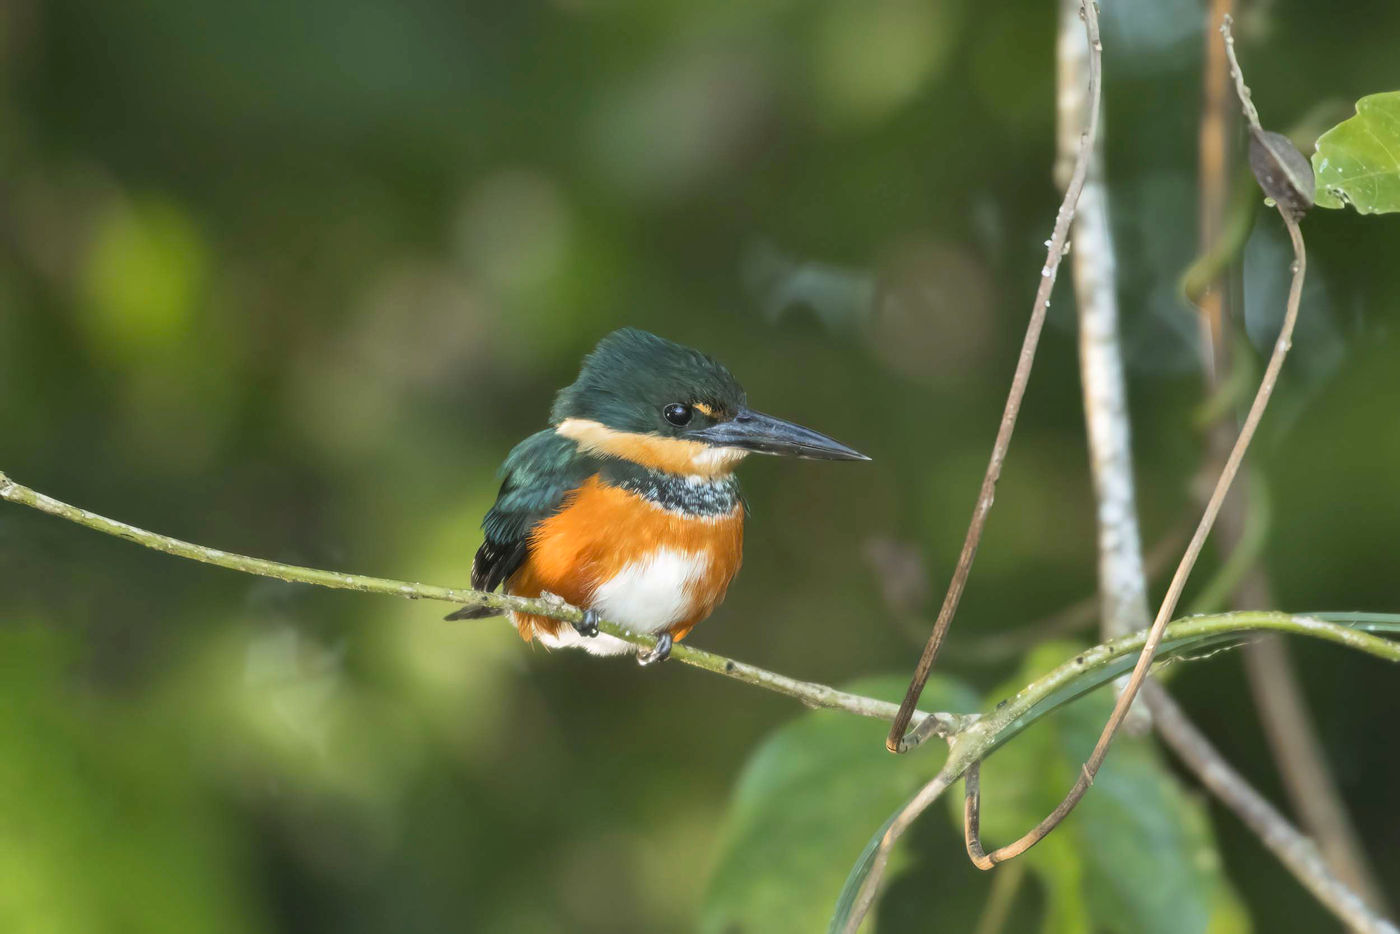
(647, 595)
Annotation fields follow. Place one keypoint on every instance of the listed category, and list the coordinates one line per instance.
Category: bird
(627, 505)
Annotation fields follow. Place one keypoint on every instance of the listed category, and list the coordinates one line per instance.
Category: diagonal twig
(1299, 854)
(1278, 697)
(1198, 540)
(1057, 246)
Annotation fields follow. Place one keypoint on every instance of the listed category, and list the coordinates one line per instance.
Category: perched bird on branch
(627, 505)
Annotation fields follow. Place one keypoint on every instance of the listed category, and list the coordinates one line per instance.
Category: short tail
(475, 612)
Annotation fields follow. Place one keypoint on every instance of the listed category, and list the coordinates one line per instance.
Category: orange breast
(604, 531)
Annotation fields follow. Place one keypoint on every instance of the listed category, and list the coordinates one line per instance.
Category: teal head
(652, 401)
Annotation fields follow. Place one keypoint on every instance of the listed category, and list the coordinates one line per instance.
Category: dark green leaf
(804, 805)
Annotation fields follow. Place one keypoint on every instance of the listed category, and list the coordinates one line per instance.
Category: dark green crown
(631, 376)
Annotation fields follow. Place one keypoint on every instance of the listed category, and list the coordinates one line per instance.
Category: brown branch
(1294, 850)
(1214, 164)
(1193, 549)
(1278, 697)
(1058, 245)
(1298, 752)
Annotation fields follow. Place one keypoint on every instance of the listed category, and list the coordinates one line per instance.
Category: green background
(291, 278)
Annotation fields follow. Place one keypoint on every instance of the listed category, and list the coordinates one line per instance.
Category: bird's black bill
(754, 431)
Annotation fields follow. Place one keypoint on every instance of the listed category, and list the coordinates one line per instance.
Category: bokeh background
(291, 278)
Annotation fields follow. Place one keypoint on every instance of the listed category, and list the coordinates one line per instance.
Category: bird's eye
(678, 414)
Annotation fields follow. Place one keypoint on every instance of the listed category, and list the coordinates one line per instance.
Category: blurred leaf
(144, 274)
(104, 825)
(805, 803)
(681, 124)
(872, 57)
(1358, 161)
(1137, 855)
(780, 284)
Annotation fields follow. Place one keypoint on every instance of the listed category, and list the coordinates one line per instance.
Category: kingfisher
(627, 504)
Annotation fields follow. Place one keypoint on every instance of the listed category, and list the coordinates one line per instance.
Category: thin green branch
(972, 737)
(807, 692)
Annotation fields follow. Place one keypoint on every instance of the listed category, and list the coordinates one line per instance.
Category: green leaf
(1136, 856)
(144, 276)
(1357, 162)
(805, 803)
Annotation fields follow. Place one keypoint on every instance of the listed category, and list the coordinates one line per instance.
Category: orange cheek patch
(672, 455)
(601, 530)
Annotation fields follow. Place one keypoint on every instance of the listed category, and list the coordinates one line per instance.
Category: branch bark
(1285, 714)
(1122, 577)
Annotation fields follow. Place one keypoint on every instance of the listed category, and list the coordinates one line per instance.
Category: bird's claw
(659, 653)
(587, 626)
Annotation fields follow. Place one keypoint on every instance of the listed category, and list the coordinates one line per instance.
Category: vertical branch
(1293, 740)
(1214, 168)
(1203, 529)
(1056, 248)
(1122, 581)
(1292, 848)
(1122, 578)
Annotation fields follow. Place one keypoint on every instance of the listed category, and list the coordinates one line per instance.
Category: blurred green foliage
(292, 277)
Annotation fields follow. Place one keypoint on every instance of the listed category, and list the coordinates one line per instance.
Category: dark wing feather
(538, 475)
(497, 561)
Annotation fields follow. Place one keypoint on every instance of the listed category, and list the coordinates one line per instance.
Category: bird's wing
(537, 477)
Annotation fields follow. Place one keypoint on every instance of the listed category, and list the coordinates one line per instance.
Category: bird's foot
(587, 626)
(659, 653)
